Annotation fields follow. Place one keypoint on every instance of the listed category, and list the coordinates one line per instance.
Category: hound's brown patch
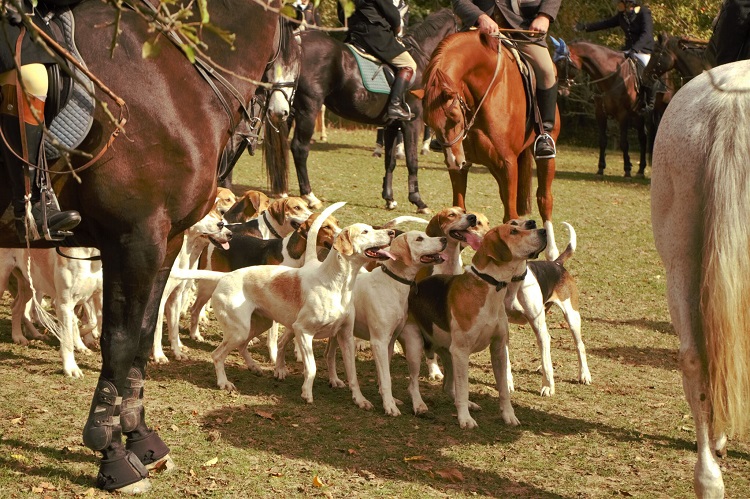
(288, 288)
(466, 300)
(343, 243)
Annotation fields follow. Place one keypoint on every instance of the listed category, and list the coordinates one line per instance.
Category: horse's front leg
(625, 146)
(506, 175)
(300, 146)
(643, 143)
(601, 122)
(129, 275)
(412, 133)
(545, 172)
(390, 136)
(459, 180)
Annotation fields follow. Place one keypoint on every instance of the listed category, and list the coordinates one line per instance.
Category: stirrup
(548, 140)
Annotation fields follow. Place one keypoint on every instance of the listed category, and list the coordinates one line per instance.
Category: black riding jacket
(638, 27)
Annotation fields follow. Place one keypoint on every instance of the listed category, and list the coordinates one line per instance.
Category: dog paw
(336, 383)
(438, 376)
(420, 409)
(228, 386)
(280, 373)
(363, 403)
(73, 372)
(474, 407)
(391, 410)
(547, 391)
(585, 378)
(307, 398)
(510, 419)
(198, 337)
(20, 340)
(467, 423)
(160, 359)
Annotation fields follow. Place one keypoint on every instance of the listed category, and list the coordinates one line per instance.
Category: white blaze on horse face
(455, 158)
(279, 101)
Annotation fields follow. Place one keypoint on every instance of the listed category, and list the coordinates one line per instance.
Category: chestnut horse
(615, 78)
(700, 198)
(157, 179)
(474, 101)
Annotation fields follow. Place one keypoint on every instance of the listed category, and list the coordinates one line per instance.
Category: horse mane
(432, 25)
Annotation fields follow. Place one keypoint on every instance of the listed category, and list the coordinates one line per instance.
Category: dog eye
(420, 238)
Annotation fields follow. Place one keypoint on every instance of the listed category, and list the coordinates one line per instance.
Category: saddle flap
(377, 76)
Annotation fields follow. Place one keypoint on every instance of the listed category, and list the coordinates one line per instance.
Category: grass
(628, 434)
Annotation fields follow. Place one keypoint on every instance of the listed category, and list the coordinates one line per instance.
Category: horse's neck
(690, 64)
(599, 66)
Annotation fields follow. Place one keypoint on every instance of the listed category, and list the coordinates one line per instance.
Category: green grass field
(628, 434)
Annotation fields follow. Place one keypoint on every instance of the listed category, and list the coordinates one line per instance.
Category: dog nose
(472, 220)
(531, 224)
(230, 236)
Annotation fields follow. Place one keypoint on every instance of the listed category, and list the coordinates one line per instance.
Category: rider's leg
(407, 70)
(546, 97)
(25, 144)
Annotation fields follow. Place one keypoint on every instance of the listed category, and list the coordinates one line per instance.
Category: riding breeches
(541, 61)
(404, 60)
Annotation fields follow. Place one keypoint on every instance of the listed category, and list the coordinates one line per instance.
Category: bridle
(281, 86)
(657, 68)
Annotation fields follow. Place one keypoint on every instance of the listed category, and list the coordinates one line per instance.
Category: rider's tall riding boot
(544, 145)
(397, 109)
(26, 148)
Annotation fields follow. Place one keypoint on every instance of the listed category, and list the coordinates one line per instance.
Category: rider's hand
(486, 24)
(540, 24)
(579, 27)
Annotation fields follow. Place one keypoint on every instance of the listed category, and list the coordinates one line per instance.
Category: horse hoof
(627, 174)
(391, 205)
(424, 211)
(600, 172)
(640, 175)
(136, 488)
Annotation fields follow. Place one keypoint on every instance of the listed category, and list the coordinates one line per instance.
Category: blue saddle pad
(373, 73)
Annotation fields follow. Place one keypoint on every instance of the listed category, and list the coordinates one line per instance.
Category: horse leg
(412, 131)
(601, 121)
(625, 146)
(506, 176)
(304, 130)
(643, 143)
(459, 179)
(129, 276)
(390, 138)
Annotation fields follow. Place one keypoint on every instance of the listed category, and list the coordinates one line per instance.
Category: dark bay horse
(157, 179)
(676, 53)
(615, 79)
(484, 120)
(330, 76)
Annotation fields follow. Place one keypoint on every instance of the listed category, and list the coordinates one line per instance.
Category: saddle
(533, 118)
(377, 76)
(69, 109)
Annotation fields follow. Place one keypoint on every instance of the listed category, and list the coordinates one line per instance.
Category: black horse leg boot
(544, 145)
(397, 109)
(25, 147)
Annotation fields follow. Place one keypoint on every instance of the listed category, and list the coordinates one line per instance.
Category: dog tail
(725, 286)
(404, 219)
(311, 252)
(571, 248)
(200, 275)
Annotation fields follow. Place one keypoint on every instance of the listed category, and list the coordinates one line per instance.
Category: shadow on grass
(662, 358)
(46, 472)
(664, 327)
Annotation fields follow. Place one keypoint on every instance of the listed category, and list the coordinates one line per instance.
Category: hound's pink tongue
(225, 245)
(472, 239)
(383, 252)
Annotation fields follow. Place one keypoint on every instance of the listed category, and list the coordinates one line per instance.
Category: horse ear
(418, 93)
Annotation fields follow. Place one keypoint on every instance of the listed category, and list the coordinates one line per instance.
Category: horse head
(662, 60)
(446, 115)
(563, 62)
(283, 71)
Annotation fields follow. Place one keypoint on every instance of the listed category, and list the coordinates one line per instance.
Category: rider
(375, 26)
(22, 124)
(534, 15)
(731, 37)
(638, 26)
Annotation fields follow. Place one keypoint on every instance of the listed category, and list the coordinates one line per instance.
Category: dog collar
(398, 278)
(270, 227)
(494, 282)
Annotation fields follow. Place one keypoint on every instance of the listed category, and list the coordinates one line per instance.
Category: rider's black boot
(544, 145)
(58, 223)
(397, 109)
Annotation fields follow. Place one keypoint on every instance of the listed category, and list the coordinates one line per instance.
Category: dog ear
(277, 210)
(433, 228)
(400, 249)
(259, 200)
(493, 248)
(343, 243)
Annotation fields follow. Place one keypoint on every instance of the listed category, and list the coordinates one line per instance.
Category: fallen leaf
(19, 457)
(174, 427)
(414, 458)
(317, 482)
(210, 462)
(47, 486)
(451, 474)
(18, 420)
(264, 414)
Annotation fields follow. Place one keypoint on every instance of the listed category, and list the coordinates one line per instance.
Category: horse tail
(525, 175)
(276, 156)
(725, 287)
